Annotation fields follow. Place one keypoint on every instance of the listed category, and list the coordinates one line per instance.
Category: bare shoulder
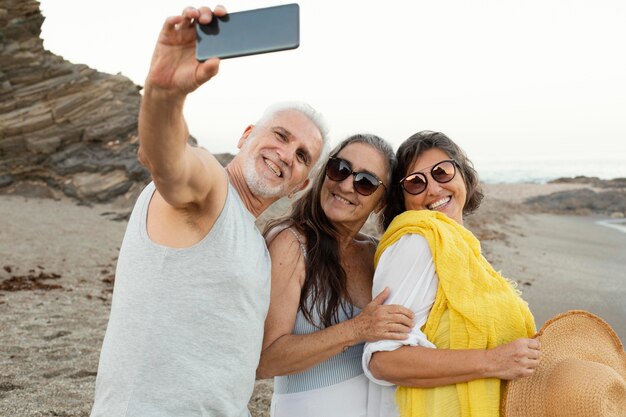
(181, 215)
(288, 258)
(285, 240)
(214, 168)
(206, 156)
(198, 188)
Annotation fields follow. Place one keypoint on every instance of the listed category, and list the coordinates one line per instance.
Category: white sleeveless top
(186, 325)
(336, 387)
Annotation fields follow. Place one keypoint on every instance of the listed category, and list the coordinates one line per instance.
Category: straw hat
(582, 372)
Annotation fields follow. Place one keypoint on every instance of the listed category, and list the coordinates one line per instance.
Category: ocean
(542, 170)
(617, 224)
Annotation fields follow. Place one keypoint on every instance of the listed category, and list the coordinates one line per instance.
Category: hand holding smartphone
(250, 32)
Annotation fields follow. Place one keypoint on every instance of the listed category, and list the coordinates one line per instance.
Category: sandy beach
(58, 266)
(561, 262)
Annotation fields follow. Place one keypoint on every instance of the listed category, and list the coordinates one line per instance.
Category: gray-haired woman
(321, 309)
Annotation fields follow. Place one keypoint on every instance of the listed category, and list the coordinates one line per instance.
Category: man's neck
(255, 205)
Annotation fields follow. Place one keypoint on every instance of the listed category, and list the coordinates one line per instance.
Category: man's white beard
(258, 185)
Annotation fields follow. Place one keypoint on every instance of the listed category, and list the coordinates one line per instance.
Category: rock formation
(64, 128)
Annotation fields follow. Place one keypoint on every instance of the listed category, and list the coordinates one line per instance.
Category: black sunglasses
(365, 183)
(416, 182)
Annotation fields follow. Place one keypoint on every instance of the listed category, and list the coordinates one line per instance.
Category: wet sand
(566, 263)
(58, 263)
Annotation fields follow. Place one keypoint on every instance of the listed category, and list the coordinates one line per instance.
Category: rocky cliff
(64, 128)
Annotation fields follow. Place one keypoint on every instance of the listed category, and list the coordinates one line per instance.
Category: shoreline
(617, 224)
(566, 263)
(58, 266)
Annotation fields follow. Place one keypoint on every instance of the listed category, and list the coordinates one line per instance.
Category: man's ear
(300, 188)
(244, 136)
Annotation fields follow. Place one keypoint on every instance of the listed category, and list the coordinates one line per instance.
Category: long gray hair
(325, 288)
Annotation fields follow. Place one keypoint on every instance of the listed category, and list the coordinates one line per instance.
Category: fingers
(185, 22)
(390, 326)
(381, 297)
(190, 15)
(172, 22)
(182, 21)
(206, 14)
(394, 336)
(207, 70)
(402, 310)
(391, 331)
(528, 356)
(398, 328)
(534, 355)
(392, 313)
(400, 318)
(531, 349)
(524, 343)
(388, 331)
(220, 10)
(517, 359)
(395, 314)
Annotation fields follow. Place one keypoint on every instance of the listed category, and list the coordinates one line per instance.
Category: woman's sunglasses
(416, 182)
(365, 183)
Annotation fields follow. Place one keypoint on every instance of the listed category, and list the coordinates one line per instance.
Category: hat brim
(575, 334)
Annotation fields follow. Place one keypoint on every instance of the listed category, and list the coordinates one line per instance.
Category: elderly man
(192, 282)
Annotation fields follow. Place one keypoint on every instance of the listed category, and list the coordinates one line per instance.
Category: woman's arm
(408, 269)
(417, 366)
(284, 353)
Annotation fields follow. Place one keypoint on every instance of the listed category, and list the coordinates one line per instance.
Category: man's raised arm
(182, 174)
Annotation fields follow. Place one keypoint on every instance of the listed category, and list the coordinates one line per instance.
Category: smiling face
(279, 154)
(448, 198)
(339, 200)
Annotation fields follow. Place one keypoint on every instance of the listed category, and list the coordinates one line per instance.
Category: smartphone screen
(249, 32)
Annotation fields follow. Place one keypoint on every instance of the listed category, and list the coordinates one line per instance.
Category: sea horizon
(544, 170)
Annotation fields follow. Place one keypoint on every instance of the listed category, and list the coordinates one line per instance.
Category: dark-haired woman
(472, 328)
(321, 309)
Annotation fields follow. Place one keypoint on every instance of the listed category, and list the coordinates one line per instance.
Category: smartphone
(249, 32)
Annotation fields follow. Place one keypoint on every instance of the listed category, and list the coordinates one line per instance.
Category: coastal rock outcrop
(64, 128)
(605, 197)
(583, 201)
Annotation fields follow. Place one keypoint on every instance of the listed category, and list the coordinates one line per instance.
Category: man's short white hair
(312, 114)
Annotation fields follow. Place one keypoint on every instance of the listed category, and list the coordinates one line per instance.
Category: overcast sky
(504, 79)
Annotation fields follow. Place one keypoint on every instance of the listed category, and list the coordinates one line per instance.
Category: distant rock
(583, 201)
(224, 158)
(592, 181)
(63, 125)
(65, 129)
(598, 196)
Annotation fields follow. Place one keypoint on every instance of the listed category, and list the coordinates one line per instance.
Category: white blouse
(407, 268)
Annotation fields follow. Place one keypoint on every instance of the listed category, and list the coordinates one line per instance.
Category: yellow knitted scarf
(475, 308)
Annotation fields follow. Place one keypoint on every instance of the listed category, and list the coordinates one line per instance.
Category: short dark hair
(413, 148)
